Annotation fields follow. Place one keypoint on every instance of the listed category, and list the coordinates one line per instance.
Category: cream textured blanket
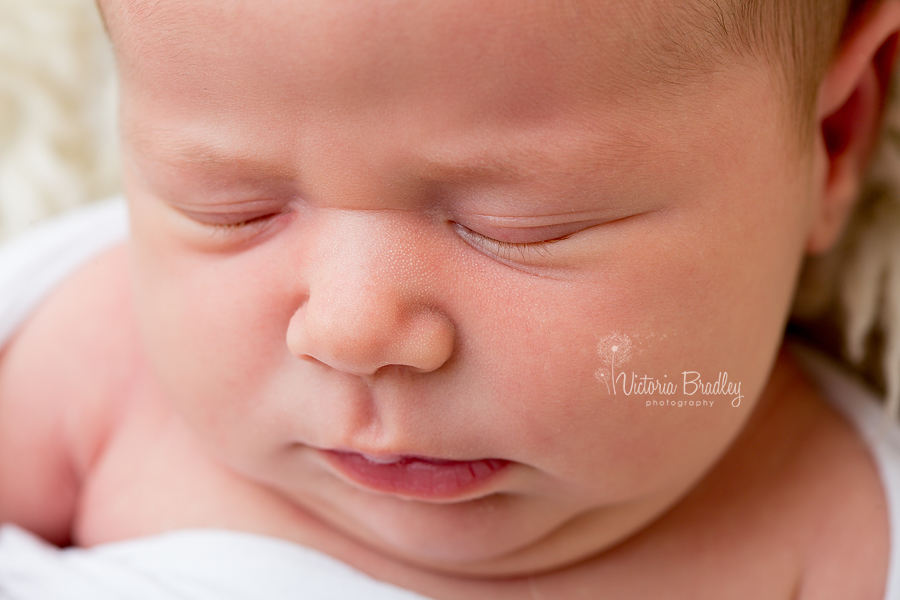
(57, 110)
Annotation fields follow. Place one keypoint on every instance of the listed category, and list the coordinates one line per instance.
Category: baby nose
(359, 321)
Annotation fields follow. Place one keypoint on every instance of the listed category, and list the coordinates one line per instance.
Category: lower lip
(419, 478)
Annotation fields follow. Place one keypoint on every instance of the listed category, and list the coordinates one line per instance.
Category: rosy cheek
(201, 324)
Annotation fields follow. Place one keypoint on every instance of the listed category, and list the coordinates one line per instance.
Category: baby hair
(797, 37)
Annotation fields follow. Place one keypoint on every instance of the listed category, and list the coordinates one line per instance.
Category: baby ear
(848, 114)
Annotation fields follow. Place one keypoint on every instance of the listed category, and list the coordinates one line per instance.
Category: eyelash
(246, 226)
(512, 251)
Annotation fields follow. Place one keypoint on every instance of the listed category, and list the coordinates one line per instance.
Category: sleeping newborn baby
(453, 300)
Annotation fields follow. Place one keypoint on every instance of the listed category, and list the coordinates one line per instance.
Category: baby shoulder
(849, 526)
(62, 377)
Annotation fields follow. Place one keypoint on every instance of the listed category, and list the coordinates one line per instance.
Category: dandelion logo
(615, 350)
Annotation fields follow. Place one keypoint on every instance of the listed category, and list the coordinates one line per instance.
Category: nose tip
(374, 334)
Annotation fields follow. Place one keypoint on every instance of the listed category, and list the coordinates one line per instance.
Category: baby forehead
(646, 35)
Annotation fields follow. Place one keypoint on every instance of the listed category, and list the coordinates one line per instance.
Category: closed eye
(526, 251)
(233, 224)
(243, 223)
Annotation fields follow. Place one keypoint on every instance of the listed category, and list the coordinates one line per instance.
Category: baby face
(409, 263)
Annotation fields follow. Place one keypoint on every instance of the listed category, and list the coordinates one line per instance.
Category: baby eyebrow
(168, 148)
(434, 168)
(211, 158)
(430, 170)
(480, 169)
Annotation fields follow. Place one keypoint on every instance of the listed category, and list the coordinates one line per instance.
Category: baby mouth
(412, 477)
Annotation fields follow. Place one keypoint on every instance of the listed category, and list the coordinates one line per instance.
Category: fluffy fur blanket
(57, 115)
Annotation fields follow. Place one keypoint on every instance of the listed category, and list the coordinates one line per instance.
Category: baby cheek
(213, 328)
(620, 447)
(571, 400)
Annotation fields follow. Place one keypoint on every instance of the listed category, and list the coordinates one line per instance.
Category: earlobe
(850, 104)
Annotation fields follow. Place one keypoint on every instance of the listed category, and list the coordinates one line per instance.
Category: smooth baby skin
(403, 230)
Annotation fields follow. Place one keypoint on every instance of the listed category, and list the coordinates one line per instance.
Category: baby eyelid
(243, 222)
(232, 226)
(229, 220)
(537, 244)
(525, 236)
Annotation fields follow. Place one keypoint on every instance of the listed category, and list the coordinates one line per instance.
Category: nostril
(430, 344)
